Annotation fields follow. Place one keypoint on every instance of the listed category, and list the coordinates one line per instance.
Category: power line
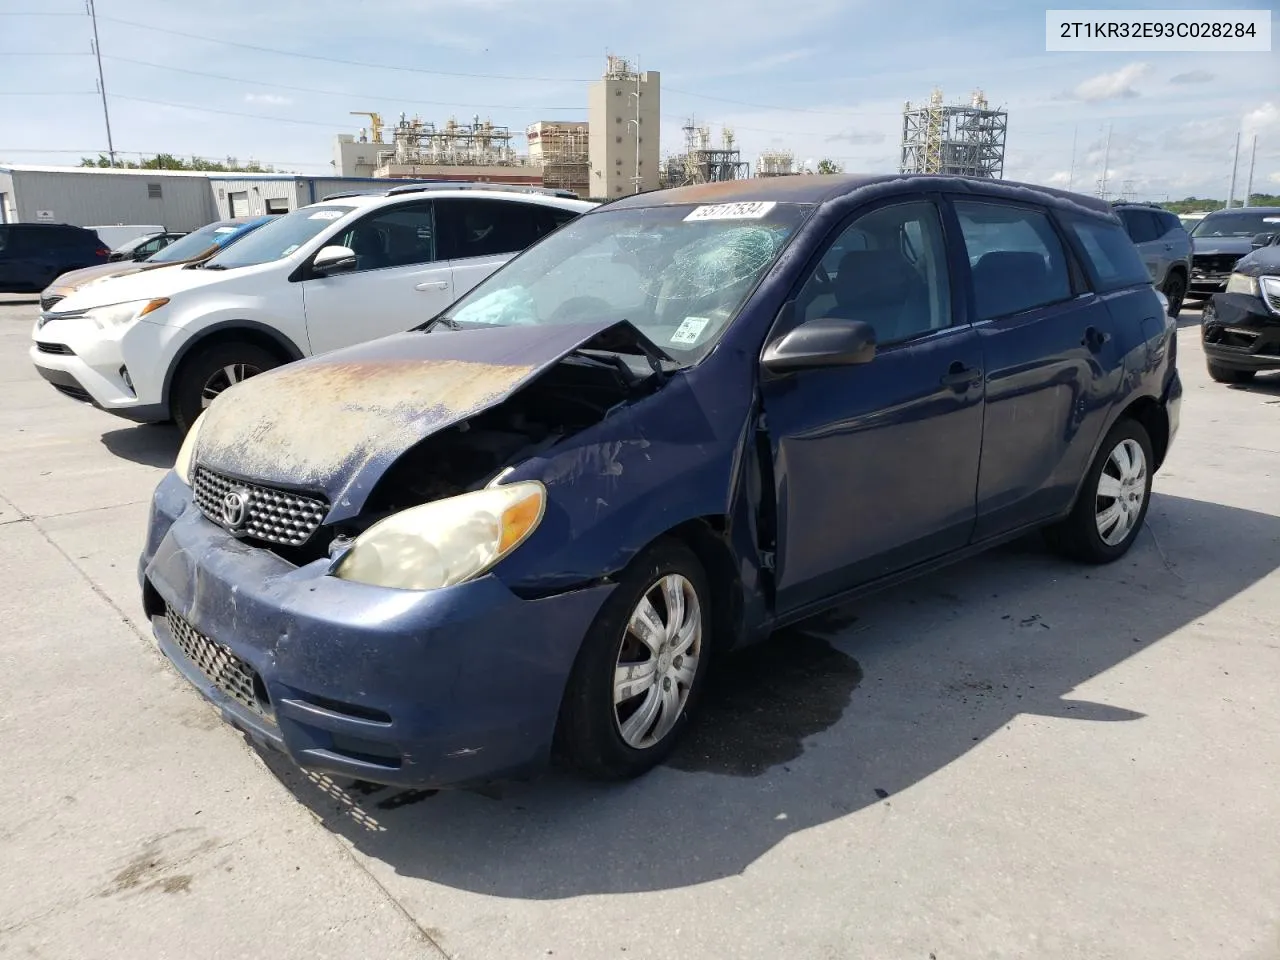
(230, 113)
(48, 93)
(350, 63)
(330, 93)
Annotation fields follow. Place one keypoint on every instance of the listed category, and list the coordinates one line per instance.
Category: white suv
(162, 344)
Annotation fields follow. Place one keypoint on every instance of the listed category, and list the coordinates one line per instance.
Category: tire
(1083, 535)
(205, 373)
(605, 740)
(1228, 374)
(1175, 291)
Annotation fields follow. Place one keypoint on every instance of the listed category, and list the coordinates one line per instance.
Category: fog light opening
(128, 380)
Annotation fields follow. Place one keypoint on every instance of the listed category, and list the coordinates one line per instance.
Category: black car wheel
(1175, 291)
(206, 373)
(1113, 499)
(641, 668)
(1228, 374)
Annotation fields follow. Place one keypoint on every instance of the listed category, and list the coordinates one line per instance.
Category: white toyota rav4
(160, 345)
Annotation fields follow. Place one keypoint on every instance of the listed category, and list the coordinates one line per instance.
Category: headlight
(187, 453)
(119, 314)
(1239, 283)
(1270, 287)
(445, 542)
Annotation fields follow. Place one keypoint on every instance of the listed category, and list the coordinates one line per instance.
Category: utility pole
(102, 87)
(1106, 160)
(1235, 162)
(1071, 177)
(1253, 155)
(637, 179)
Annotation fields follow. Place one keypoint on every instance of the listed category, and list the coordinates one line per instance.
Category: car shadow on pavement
(150, 444)
(822, 721)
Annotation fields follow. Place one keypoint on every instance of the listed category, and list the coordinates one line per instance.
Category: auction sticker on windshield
(689, 330)
(325, 215)
(745, 210)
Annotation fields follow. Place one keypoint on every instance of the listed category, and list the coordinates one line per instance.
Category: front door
(875, 465)
(398, 281)
(1052, 363)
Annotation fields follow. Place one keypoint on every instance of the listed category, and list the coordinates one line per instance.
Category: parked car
(1220, 240)
(1163, 244)
(193, 248)
(32, 254)
(143, 247)
(1240, 328)
(1189, 220)
(327, 275)
(118, 234)
(680, 422)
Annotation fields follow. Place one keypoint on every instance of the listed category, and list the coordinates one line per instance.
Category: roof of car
(383, 197)
(819, 188)
(1263, 210)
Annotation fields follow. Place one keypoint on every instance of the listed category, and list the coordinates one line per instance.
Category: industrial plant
(962, 139)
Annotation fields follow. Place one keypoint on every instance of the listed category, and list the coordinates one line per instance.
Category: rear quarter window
(1110, 258)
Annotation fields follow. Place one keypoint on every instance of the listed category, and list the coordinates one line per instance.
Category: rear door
(478, 235)
(399, 281)
(1053, 366)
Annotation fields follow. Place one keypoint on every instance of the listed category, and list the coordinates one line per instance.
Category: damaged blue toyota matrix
(529, 528)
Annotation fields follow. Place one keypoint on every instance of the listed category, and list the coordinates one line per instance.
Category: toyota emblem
(235, 508)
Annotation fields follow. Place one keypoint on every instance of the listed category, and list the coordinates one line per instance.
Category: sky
(275, 81)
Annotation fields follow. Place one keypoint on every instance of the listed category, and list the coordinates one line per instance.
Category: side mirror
(825, 342)
(331, 260)
(1263, 239)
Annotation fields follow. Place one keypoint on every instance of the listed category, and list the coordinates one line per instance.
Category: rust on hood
(303, 424)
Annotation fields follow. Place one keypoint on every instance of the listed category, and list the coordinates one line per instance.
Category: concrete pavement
(1016, 757)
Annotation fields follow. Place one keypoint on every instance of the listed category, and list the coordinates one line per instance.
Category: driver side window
(395, 237)
(888, 269)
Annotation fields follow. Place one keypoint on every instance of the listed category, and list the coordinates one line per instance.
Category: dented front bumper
(438, 688)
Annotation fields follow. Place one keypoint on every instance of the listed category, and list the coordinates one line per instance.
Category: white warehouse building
(176, 199)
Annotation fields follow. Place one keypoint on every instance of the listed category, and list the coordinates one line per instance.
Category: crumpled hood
(1212, 245)
(75, 279)
(336, 422)
(1263, 262)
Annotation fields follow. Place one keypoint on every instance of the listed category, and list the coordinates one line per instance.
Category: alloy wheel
(223, 378)
(1122, 490)
(657, 662)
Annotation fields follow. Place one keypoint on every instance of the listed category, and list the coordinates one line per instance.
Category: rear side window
(1016, 260)
(1110, 257)
(1141, 225)
(483, 227)
(1170, 223)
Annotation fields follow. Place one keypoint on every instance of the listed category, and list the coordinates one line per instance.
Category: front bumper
(1239, 332)
(119, 370)
(428, 689)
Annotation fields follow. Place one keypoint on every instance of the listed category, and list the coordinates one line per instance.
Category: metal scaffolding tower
(702, 163)
(959, 139)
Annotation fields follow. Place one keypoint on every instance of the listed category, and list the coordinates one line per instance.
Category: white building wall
(354, 159)
(611, 110)
(105, 197)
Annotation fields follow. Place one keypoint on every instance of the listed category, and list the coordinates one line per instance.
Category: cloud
(856, 138)
(1275, 177)
(1059, 179)
(1193, 76)
(1265, 116)
(269, 98)
(1111, 86)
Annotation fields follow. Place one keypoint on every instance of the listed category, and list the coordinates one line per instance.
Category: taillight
(103, 251)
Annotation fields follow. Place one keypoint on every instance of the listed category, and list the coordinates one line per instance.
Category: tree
(829, 166)
(167, 161)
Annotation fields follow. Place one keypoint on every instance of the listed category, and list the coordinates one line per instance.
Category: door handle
(958, 375)
(432, 285)
(1094, 339)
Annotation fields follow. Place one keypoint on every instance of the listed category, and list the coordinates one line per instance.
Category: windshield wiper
(213, 266)
(447, 321)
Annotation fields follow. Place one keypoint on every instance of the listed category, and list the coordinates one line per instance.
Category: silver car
(1165, 247)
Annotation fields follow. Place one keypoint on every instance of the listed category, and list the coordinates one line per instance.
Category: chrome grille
(1273, 301)
(224, 669)
(47, 302)
(276, 516)
(1215, 262)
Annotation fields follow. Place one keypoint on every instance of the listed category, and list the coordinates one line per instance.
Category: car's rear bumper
(1239, 332)
(430, 689)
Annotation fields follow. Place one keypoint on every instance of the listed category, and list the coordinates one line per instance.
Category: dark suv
(681, 421)
(33, 254)
(1164, 245)
(1220, 240)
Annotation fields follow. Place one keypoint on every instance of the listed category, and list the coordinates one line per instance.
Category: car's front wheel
(1113, 499)
(1228, 374)
(209, 371)
(641, 667)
